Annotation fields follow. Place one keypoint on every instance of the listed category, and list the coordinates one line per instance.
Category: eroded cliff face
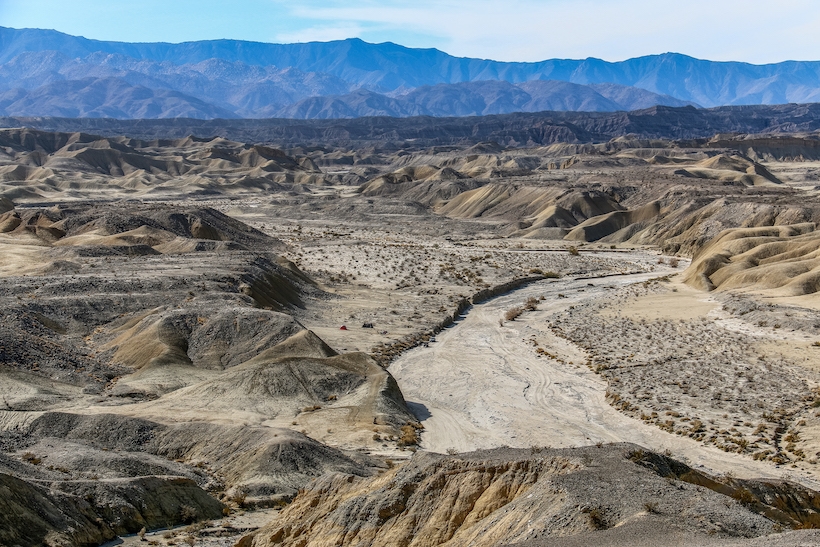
(509, 496)
(431, 501)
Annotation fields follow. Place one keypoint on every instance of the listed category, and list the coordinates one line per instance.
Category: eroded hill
(193, 325)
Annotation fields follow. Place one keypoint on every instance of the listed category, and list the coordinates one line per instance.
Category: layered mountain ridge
(48, 73)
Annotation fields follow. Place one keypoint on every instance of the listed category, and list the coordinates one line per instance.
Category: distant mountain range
(48, 73)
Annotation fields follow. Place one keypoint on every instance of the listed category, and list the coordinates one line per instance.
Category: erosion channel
(487, 382)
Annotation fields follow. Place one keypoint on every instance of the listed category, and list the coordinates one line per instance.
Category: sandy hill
(782, 259)
(36, 165)
(690, 195)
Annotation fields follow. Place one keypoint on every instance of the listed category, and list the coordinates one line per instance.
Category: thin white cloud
(530, 30)
(513, 30)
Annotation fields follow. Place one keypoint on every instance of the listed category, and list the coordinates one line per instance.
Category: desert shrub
(239, 496)
(513, 313)
(187, 514)
(744, 496)
(673, 262)
(636, 455)
(597, 521)
(573, 250)
(409, 435)
(532, 304)
(32, 458)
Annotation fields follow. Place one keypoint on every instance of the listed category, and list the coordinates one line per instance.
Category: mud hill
(618, 495)
(198, 325)
(36, 164)
(146, 333)
(780, 259)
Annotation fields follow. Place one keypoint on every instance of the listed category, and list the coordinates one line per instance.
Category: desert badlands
(213, 342)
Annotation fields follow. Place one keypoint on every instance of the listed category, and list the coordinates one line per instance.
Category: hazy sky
(756, 31)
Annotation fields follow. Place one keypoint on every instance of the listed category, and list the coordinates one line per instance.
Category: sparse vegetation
(597, 519)
(513, 313)
(410, 434)
(651, 507)
(188, 514)
(31, 458)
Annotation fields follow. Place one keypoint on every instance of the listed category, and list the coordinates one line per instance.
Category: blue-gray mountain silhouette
(350, 78)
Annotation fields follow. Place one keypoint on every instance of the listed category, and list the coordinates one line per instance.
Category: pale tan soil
(807, 300)
(684, 303)
(804, 175)
(18, 258)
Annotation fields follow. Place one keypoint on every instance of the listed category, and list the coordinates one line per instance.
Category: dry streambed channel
(488, 382)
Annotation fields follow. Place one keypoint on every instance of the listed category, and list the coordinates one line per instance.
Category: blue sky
(514, 30)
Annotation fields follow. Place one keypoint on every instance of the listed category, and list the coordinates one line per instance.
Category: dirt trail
(484, 385)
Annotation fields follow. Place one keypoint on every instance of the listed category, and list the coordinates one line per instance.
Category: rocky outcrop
(80, 513)
(508, 496)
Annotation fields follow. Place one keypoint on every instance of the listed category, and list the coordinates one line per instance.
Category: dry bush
(531, 304)
(744, 496)
(32, 458)
(409, 435)
(239, 496)
(673, 262)
(636, 455)
(187, 514)
(597, 521)
(573, 250)
(513, 313)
